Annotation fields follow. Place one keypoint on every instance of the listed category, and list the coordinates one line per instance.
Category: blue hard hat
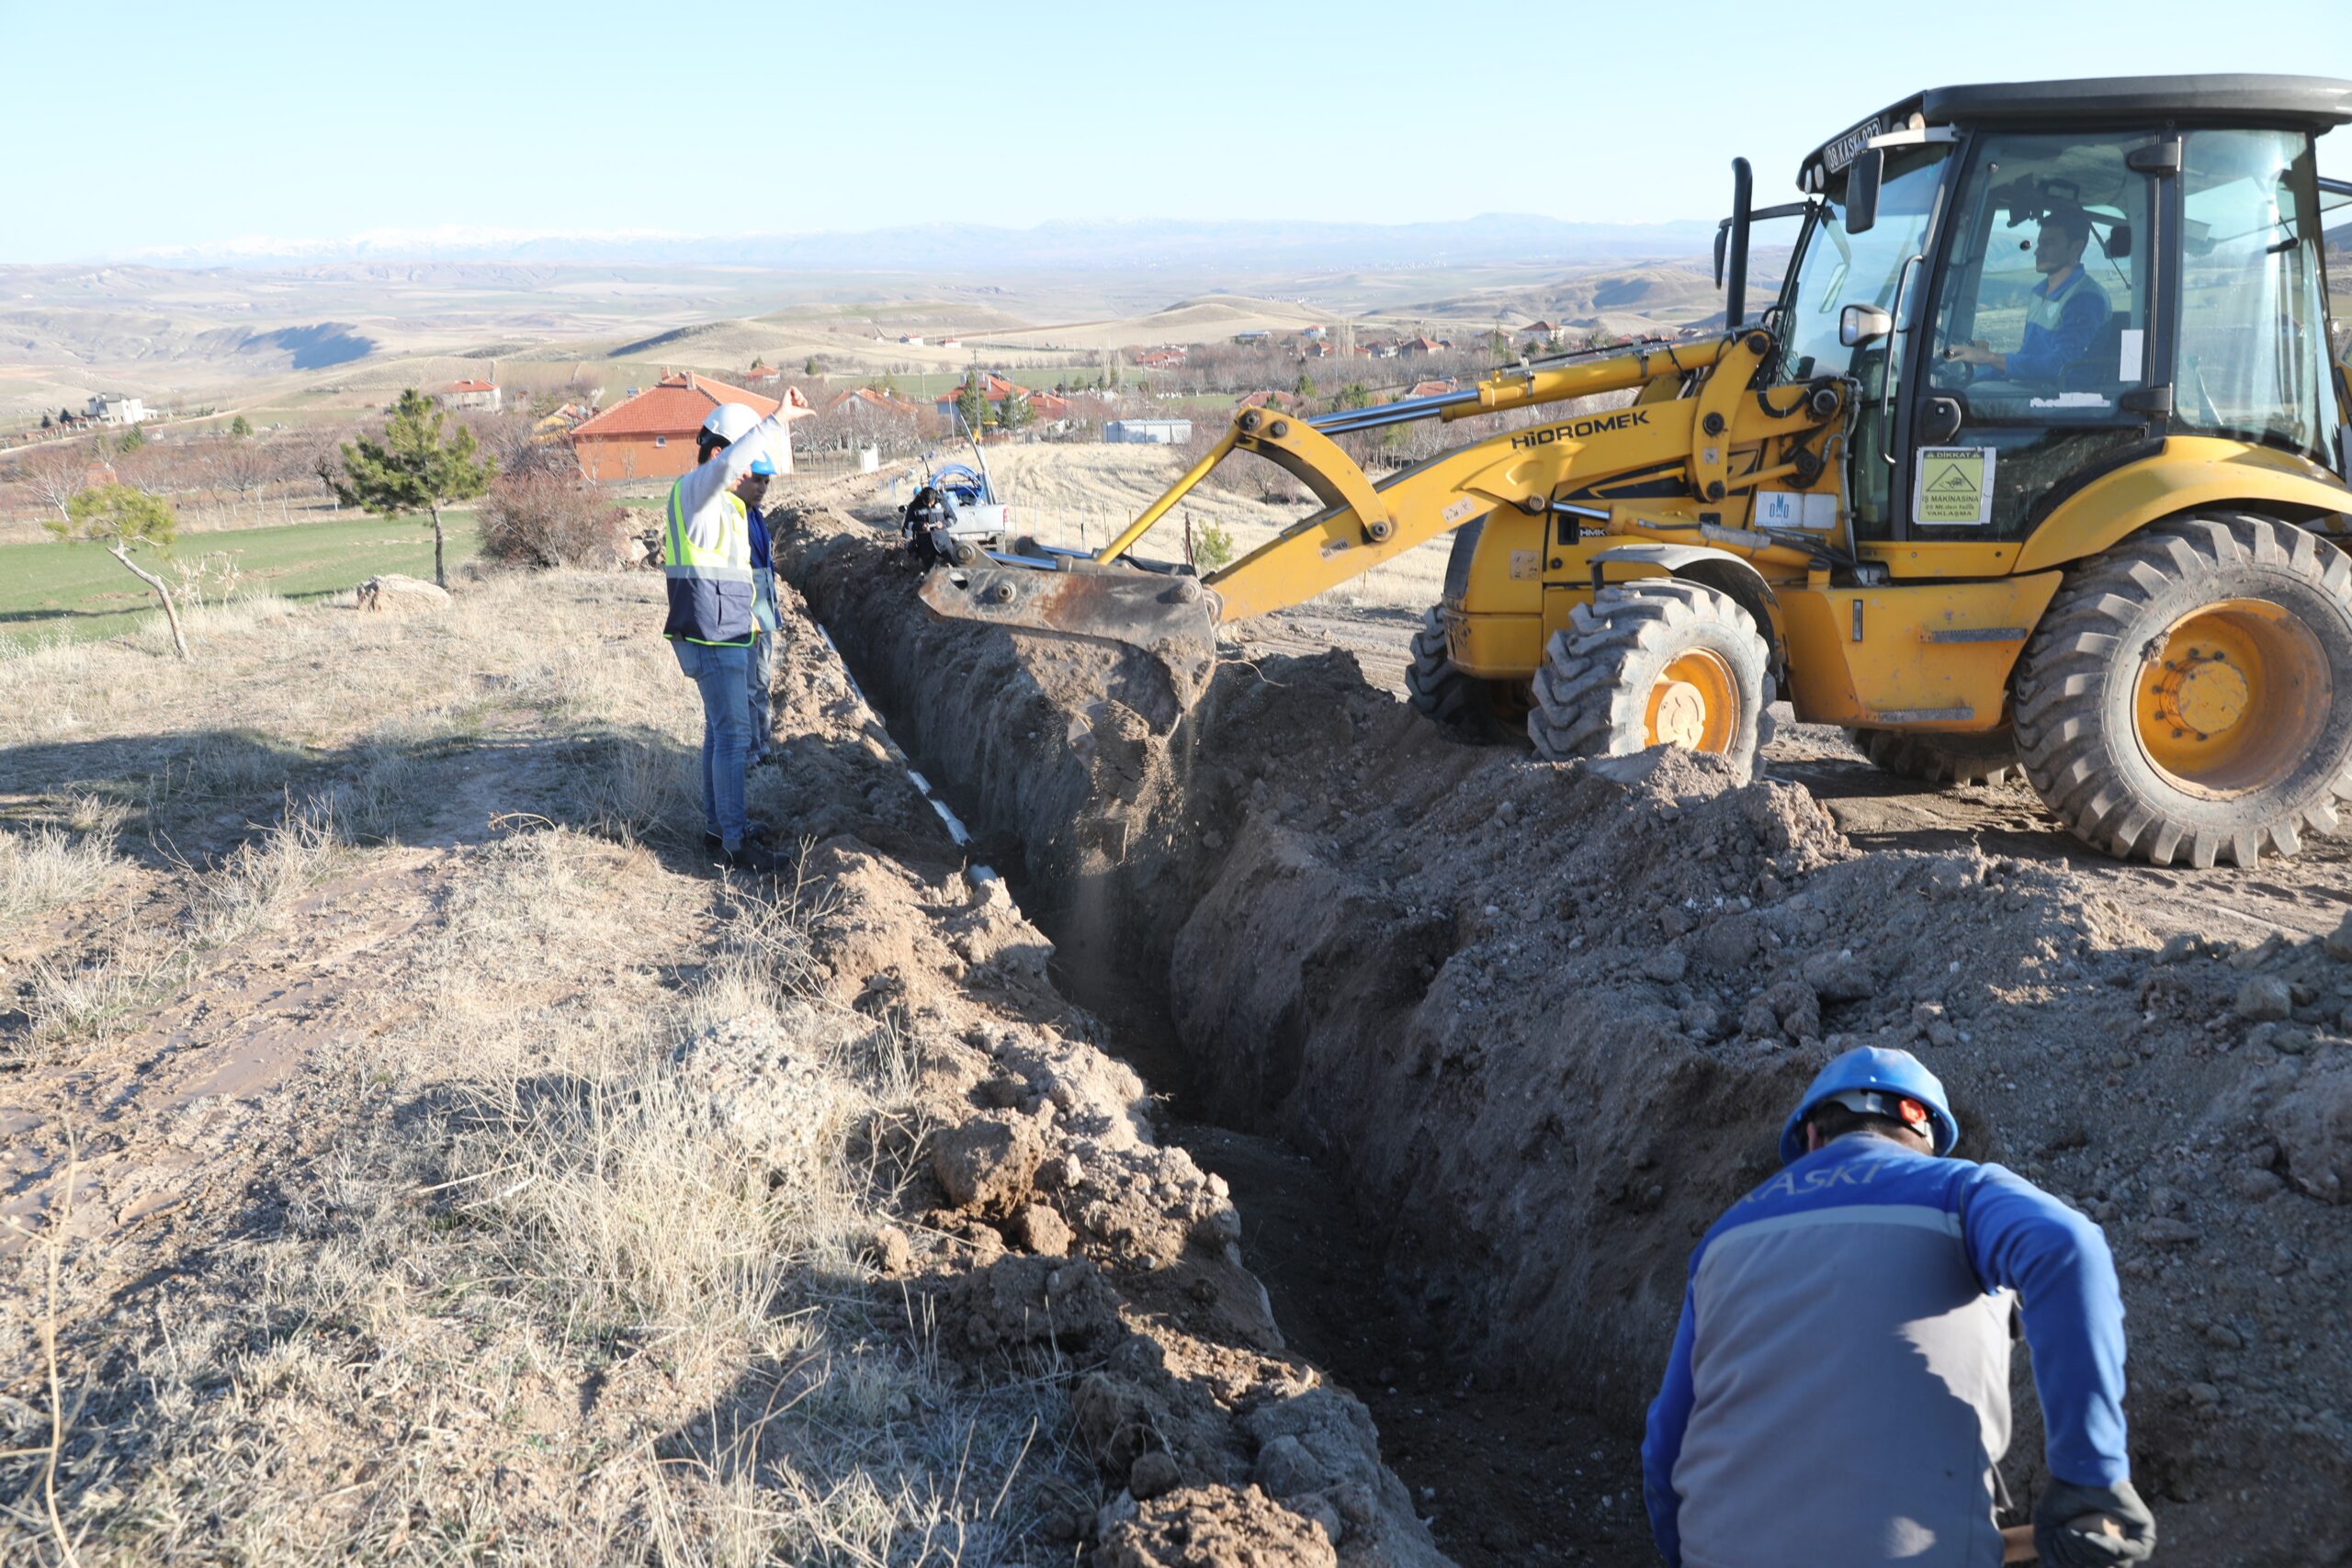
(764, 467)
(1867, 1069)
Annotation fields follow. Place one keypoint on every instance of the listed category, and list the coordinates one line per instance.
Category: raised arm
(698, 487)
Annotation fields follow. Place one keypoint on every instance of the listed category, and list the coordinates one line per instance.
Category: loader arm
(1713, 442)
(1363, 524)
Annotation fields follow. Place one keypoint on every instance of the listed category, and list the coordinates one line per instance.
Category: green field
(80, 592)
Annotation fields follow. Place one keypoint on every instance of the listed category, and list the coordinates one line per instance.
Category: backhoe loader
(2038, 461)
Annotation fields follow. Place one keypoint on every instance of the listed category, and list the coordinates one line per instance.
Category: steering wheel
(1951, 375)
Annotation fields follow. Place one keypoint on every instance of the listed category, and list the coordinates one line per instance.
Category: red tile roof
(677, 405)
(473, 385)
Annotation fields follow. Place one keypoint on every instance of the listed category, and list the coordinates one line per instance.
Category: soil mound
(1548, 1020)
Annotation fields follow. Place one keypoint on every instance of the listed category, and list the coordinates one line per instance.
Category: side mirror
(1862, 177)
(1859, 326)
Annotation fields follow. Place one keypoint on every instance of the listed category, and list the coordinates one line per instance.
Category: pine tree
(413, 469)
(122, 518)
(972, 403)
(240, 427)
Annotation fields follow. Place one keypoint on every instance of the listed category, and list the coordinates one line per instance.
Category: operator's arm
(2046, 356)
(1662, 1443)
(698, 487)
(2021, 1238)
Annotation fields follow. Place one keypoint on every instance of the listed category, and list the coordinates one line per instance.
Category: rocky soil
(1542, 1022)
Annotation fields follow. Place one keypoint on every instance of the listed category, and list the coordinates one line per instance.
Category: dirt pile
(1547, 1022)
(1051, 1234)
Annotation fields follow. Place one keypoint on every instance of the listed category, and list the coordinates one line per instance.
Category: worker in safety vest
(1838, 1389)
(708, 559)
(2064, 314)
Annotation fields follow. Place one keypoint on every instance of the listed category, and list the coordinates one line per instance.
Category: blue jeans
(723, 676)
(762, 674)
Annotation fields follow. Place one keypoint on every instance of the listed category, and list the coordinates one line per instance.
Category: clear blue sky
(173, 124)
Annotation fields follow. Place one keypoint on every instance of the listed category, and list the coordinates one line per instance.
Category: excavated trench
(1483, 1045)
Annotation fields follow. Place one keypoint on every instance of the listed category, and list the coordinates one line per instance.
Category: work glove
(2070, 1531)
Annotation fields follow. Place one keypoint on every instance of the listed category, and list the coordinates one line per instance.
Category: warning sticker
(1955, 486)
(1460, 509)
(1525, 564)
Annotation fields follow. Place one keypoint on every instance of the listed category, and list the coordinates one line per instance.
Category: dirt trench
(1539, 1025)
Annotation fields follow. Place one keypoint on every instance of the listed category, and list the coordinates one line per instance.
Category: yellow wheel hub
(2232, 697)
(1694, 703)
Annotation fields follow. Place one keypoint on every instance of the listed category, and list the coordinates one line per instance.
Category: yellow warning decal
(1955, 486)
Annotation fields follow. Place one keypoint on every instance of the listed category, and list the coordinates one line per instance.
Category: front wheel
(1649, 663)
(2189, 693)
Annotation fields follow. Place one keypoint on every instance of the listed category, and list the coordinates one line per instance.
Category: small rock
(988, 1162)
(1040, 1230)
(2179, 946)
(1154, 1475)
(1286, 1469)
(893, 1255)
(2260, 953)
(1667, 966)
(1942, 1035)
(2337, 944)
(2221, 1336)
(2265, 997)
(2204, 1394)
(2166, 1232)
(1838, 977)
(2254, 1185)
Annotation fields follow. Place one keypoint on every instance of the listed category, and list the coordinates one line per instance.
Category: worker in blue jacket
(760, 667)
(1838, 1389)
(2063, 315)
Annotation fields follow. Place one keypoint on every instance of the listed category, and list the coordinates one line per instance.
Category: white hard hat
(729, 423)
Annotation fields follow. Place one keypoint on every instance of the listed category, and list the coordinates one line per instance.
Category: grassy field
(79, 592)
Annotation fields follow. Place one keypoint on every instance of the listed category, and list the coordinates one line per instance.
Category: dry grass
(508, 1289)
(68, 861)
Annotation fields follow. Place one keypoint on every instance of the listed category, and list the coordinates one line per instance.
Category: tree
(1305, 387)
(240, 427)
(412, 468)
(972, 403)
(811, 367)
(242, 468)
(46, 423)
(131, 439)
(1015, 413)
(1354, 395)
(55, 473)
(122, 519)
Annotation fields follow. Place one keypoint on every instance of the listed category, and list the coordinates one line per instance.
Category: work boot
(752, 832)
(752, 860)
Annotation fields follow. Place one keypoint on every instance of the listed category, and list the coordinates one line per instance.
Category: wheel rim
(2234, 698)
(1694, 702)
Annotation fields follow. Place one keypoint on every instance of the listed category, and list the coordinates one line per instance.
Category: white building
(1148, 431)
(113, 408)
(474, 395)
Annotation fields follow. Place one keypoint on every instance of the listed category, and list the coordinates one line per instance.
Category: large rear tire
(2188, 695)
(1650, 663)
(1988, 759)
(1439, 691)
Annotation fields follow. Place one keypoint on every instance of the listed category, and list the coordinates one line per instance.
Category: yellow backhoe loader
(2039, 459)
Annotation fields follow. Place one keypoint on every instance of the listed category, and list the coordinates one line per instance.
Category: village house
(1281, 402)
(1542, 332)
(651, 435)
(1416, 347)
(113, 408)
(862, 401)
(1159, 358)
(762, 378)
(472, 394)
(1432, 388)
(1044, 406)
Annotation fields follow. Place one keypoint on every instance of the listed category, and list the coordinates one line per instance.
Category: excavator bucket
(1171, 619)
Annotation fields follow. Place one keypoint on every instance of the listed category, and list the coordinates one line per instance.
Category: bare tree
(56, 473)
(242, 465)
